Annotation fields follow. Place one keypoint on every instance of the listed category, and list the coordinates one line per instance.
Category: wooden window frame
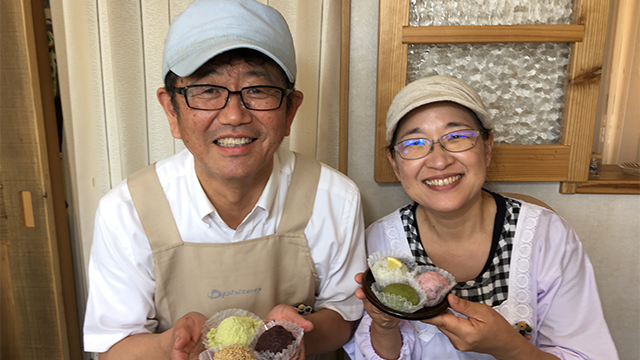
(568, 161)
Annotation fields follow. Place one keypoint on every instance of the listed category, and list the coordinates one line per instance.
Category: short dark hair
(249, 56)
(484, 132)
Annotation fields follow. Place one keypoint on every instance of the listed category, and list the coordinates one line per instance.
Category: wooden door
(37, 294)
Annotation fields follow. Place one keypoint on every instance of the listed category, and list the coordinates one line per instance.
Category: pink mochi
(433, 284)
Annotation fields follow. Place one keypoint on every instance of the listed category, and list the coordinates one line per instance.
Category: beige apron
(254, 274)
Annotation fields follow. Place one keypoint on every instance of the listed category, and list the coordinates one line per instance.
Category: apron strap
(153, 208)
(301, 195)
(159, 224)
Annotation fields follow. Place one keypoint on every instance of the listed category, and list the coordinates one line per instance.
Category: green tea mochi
(403, 290)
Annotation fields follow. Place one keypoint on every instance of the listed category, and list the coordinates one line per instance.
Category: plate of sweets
(399, 286)
(236, 334)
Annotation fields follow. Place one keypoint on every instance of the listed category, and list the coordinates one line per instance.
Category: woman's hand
(385, 333)
(484, 331)
(379, 318)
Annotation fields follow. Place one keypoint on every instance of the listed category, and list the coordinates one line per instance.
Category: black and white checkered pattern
(492, 285)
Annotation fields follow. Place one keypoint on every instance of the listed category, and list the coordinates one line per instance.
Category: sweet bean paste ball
(275, 340)
(233, 330)
(234, 352)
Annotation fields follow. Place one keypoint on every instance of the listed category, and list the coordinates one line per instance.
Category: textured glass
(489, 12)
(522, 84)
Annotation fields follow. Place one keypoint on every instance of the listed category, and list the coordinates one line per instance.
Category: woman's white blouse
(551, 287)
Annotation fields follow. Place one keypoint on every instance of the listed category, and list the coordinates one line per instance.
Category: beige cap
(434, 89)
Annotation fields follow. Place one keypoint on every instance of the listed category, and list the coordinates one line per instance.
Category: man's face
(233, 143)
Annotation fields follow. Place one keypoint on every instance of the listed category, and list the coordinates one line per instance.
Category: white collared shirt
(121, 270)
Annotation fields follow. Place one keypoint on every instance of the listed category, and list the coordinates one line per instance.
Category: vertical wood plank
(4, 223)
(392, 75)
(51, 154)
(345, 33)
(582, 87)
(41, 176)
(10, 328)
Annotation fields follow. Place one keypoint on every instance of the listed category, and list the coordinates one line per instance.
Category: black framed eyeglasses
(457, 141)
(213, 97)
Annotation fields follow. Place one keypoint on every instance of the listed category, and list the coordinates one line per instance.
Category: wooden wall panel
(529, 163)
(345, 34)
(490, 34)
(40, 313)
(582, 88)
(55, 176)
(392, 75)
(10, 326)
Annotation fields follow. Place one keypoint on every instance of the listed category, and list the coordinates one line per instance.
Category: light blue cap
(208, 28)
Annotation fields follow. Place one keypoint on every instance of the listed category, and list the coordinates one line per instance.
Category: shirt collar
(205, 208)
(199, 199)
(270, 191)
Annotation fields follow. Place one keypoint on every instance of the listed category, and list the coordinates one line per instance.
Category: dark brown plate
(422, 314)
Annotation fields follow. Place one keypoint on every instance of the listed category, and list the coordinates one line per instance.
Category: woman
(525, 287)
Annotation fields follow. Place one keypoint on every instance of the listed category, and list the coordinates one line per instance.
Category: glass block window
(522, 84)
(489, 12)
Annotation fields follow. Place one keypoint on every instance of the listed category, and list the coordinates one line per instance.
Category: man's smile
(233, 142)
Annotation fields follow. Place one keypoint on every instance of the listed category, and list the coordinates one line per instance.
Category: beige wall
(608, 225)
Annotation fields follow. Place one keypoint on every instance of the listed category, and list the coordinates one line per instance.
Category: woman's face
(442, 181)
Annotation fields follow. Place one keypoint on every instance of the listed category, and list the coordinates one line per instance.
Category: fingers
(288, 313)
(180, 339)
(481, 329)
(459, 305)
(185, 334)
(358, 278)
(304, 323)
(470, 309)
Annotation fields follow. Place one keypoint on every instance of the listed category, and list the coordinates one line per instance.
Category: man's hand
(181, 342)
(290, 314)
(186, 337)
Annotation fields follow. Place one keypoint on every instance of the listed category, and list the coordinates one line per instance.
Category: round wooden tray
(422, 314)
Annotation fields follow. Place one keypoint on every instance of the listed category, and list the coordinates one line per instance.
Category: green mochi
(403, 290)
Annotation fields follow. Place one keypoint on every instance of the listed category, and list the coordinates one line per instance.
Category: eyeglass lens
(210, 97)
(456, 141)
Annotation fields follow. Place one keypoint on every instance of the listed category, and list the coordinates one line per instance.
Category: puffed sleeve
(570, 318)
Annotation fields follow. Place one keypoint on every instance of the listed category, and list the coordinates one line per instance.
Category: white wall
(608, 225)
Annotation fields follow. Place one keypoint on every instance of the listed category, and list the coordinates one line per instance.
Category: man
(234, 221)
